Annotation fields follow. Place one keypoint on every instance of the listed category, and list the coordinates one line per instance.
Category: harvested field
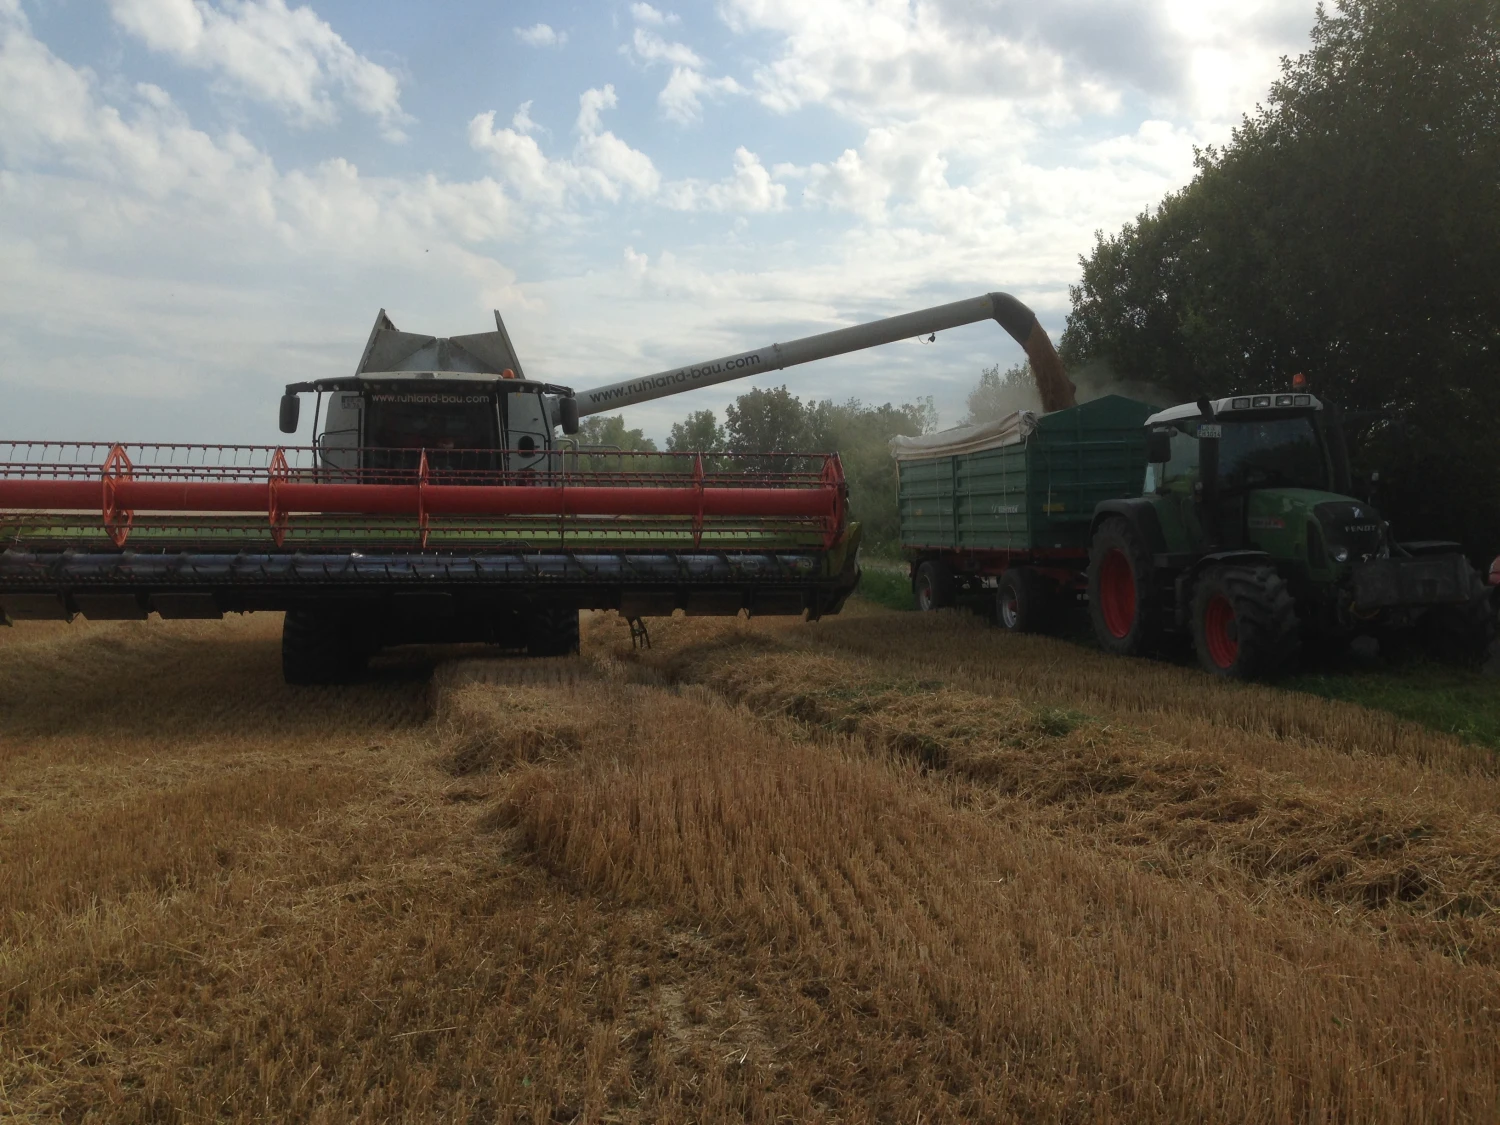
(879, 868)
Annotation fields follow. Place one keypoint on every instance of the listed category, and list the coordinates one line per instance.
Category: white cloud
(602, 166)
(681, 99)
(521, 122)
(749, 188)
(645, 13)
(541, 35)
(144, 257)
(286, 57)
(652, 48)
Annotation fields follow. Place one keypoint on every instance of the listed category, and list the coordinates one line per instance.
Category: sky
(203, 200)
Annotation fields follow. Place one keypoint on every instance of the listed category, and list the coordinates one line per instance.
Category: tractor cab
(1259, 472)
(461, 401)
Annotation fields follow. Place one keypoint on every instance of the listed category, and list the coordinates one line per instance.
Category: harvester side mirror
(567, 408)
(291, 409)
(1158, 445)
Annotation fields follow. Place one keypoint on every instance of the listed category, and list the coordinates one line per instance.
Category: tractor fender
(1140, 513)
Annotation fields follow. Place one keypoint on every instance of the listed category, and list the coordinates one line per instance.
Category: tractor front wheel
(1245, 623)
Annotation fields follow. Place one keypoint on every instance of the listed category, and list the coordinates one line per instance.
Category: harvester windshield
(402, 420)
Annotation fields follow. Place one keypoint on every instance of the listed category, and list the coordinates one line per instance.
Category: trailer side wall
(1038, 494)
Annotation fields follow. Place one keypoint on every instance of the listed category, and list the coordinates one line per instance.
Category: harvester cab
(1245, 537)
(460, 402)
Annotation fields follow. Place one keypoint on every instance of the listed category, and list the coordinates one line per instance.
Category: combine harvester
(439, 503)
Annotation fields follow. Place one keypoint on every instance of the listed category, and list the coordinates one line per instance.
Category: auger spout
(1057, 391)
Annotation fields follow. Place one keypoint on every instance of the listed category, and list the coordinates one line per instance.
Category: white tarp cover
(1010, 430)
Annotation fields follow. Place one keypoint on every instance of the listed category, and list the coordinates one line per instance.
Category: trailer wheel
(1025, 602)
(1123, 604)
(552, 632)
(320, 648)
(1461, 634)
(1245, 623)
(933, 586)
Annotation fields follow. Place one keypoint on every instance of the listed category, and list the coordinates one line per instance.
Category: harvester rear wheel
(1245, 623)
(933, 586)
(1461, 634)
(1123, 603)
(552, 632)
(320, 648)
(1025, 601)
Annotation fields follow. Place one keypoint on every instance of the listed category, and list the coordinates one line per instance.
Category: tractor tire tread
(1270, 633)
(1146, 637)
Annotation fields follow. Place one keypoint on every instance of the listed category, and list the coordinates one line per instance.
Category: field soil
(879, 868)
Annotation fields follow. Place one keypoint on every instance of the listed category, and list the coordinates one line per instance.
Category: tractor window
(1272, 453)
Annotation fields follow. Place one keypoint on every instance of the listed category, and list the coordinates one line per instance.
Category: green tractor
(1246, 539)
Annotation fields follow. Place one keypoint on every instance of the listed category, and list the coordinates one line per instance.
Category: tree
(610, 431)
(1002, 393)
(776, 421)
(699, 432)
(1350, 230)
(767, 421)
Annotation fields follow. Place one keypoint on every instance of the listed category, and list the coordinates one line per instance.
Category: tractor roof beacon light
(1299, 382)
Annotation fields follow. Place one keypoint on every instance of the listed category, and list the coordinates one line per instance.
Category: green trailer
(1005, 509)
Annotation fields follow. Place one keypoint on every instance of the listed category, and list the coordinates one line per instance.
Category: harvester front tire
(552, 632)
(1461, 634)
(319, 648)
(1123, 602)
(1025, 601)
(1245, 623)
(933, 586)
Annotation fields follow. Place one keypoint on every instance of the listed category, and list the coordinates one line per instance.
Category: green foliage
(1351, 230)
(609, 431)
(886, 585)
(699, 432)
(999, 394)
(776, 421)
(1464, 704)
(768, 421)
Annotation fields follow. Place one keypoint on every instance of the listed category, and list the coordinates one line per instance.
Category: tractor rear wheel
(1025, 601)
(1123, 602)
(1461, 634)
(933, 586)
(1245, 623)
(552, 632)
(321, 648)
